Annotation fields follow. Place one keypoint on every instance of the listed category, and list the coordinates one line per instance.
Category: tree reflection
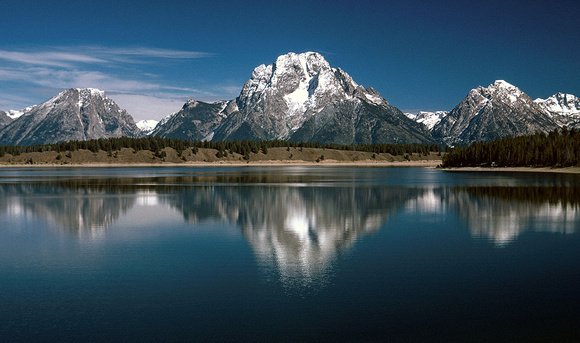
(297, 230)
(293, 227)
(296, 223)
(501, 214)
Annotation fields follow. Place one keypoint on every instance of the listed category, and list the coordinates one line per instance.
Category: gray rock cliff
(486, 114)
(4, 119)
(74, 114)
(299, 97)
(563, 108)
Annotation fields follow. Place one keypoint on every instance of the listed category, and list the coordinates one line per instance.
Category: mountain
(486, 114)
(4, 119)
(429, 119)
(74, 114)
(147, 126)
(196, 120)
(298, 98)
(563, 108)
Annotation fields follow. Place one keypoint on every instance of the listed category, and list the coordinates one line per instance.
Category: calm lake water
(293, 253)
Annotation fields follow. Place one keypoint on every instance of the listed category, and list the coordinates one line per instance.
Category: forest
(558, 148)
(157, 144)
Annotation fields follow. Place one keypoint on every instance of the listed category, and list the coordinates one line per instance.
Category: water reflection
(501, 214)
(87, 212)
(296, 230)
(296, 223)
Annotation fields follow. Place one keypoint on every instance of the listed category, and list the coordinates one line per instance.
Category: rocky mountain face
(563, 108)
(298, 98)
(486, 114)
(4, 119)
(75, 114)
(196, 120)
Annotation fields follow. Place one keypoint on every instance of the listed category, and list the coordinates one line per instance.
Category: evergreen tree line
(156, 144)
(558, 148)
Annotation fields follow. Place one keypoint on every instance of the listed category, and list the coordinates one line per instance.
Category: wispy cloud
(46, 58)
(147, 52)
(62, 78)
(150, 106)
(66, 57)
(127, 74)
(12, 101)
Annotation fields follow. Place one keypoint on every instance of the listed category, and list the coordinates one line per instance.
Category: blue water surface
(288, 253)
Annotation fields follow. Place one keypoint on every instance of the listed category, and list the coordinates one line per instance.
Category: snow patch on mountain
(506, 90)
(299, 97)
(429, 119)
(562, 108)
(374, 98)
(17, 114)
(297, 100)
(292, 90)
(147, 125)
(489, 113)
(560, 103)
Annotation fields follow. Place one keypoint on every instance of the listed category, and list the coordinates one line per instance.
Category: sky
(151, 56)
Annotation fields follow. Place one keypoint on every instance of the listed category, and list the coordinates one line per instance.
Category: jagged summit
(563, 108)
(147, 126)
(493, 112)
(289, 92)
(560, 103)
(298, 97)
(87, 91)
(500, 90)
(196, 120)
(73, 114)
(505, 91)
(304, 80)
(427, 118)
(503, 84)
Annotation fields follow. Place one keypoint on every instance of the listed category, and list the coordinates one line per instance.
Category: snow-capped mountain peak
(299, 97)
(87, 94)
(560, 103)
(73, 114)
(310, 64)
(501, 88)
(147, 126)
(503, 84)
(563, 108)
(299, 86)
(493, 112)
(429, 119)
(90, 92)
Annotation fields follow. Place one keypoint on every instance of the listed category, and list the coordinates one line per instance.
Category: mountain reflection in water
(501, 214)
(296, 230)
(296, 224)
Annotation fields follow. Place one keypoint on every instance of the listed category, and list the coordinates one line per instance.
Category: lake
(288, 253)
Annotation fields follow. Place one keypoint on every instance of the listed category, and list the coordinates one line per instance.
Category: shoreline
(326, 163)
(567, 170)
(430, 164)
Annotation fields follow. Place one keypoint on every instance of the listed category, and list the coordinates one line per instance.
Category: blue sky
(151, 56)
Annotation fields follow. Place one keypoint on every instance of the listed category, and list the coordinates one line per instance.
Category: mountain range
(74, 114)
(486, 114)
(299, 97)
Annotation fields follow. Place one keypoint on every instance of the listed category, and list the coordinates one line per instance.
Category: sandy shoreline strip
(568, 170)
(326, 163)
(289, 163)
